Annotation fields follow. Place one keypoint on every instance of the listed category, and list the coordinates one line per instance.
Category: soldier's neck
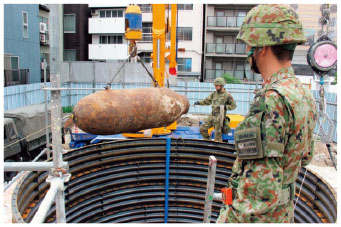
(221, 90)
(272, 68)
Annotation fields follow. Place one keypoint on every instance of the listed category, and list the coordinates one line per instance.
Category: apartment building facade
(21, 44)
(223, 54)
(44, 37)
(75, 30)
(107, 27)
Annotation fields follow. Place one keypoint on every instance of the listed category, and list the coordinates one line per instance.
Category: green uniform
(273, 142)
(216, 99)
(276, 138)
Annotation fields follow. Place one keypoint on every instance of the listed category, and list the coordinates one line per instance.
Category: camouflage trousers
(280, 214)
(213, 121)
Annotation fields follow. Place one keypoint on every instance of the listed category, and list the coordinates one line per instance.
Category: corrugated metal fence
(23, 95)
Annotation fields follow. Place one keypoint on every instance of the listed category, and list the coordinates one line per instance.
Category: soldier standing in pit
(276, 138)
(221, 101)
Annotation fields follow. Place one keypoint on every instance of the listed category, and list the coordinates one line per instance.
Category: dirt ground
(321, 154)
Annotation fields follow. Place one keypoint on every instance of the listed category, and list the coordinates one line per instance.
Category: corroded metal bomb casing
(111, 112)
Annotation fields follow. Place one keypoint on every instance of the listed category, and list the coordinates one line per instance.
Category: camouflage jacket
(284, 115)
(219, 98)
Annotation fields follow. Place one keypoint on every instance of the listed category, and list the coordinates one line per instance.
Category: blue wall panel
(23, 95)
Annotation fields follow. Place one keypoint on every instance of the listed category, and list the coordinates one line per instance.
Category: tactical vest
(250, 138)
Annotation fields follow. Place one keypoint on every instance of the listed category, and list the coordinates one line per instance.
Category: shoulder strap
(285, 101)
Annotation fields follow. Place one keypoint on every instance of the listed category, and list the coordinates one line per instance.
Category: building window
(25, 24)
(102, 13)
(45, 21)
(45, 56)
(147, 34)
(69, 23)
(111, 13)
(184, 33)
(69, 55)
(185, 6)
(145, 57)
(111, 39)
(14, 62)
(15, 68)
(145, 8)
(184, 64)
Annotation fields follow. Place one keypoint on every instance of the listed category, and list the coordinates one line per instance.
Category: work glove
(197, 103)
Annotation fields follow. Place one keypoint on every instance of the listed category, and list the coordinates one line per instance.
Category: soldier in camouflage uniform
(218, 99)
(276, 138)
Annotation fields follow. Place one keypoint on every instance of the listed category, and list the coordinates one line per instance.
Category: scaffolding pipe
(212, 167)
(46, 114)
(21, 173)
(56, 185)
(30, 166)
(176, 90)
(57, 144)
(217, 196)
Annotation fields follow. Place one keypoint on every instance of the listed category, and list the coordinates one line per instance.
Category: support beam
(212, 166)
(56, 185)
(30, 166)
(56, 125)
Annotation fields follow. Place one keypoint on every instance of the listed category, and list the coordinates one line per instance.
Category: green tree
(67, 109)
(230, 79)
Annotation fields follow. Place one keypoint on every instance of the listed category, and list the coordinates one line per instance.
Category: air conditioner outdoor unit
(42, 27)
(94, 12)
(42, 38)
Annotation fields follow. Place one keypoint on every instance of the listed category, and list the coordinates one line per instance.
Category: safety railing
(232, 22)
(225, 48)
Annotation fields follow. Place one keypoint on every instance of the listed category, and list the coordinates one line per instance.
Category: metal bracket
(58, 172)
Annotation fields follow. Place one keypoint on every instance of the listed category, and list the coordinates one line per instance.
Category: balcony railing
(225, 48)
(16, 76)
(147, 38)
(214, 73)
(111, 25)
(108, 51)
(228, 22)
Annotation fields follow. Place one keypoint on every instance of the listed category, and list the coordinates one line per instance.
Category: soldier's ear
(262, 50)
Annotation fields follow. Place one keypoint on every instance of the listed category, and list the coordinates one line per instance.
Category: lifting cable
(156, 84)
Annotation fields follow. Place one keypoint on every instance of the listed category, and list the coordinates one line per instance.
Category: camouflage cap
(269, 25)
(219, 81)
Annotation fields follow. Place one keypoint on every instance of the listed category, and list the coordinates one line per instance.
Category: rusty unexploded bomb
(111, 112)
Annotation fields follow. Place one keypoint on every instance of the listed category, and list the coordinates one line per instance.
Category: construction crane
(160, 29)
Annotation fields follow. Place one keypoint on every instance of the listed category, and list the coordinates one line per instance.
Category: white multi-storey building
(107, 27)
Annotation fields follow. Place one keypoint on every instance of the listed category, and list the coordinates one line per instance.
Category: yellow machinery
(159, 51)
(159, 31)
(133, 23)
(133, 27)
(234, 121)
